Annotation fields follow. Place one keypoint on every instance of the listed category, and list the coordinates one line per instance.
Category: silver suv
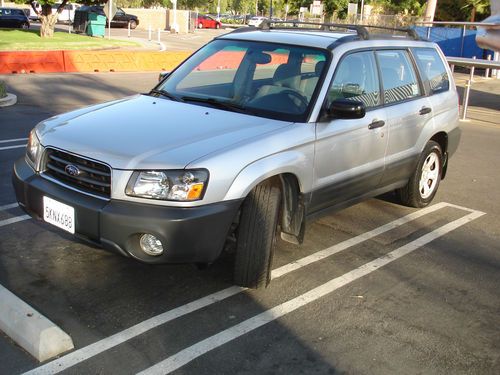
(256, 132)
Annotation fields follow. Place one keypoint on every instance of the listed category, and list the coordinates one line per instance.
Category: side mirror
(162, 76)
(346, 109)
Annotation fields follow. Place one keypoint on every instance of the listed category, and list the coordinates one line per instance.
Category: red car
(207, 22)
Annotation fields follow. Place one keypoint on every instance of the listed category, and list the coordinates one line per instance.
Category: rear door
(408, 112)
(349, 157)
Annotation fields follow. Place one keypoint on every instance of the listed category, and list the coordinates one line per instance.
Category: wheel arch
(441, 138)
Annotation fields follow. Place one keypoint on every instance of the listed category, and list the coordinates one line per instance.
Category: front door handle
(425, 110)
(376, 124)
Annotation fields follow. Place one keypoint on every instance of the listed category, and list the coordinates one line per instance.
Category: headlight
(173, 185)
(33, 150)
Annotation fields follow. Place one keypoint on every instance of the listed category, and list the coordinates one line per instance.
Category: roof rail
(361, 30)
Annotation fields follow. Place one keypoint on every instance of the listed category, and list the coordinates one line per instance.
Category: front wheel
(256, 236)
(424, 182)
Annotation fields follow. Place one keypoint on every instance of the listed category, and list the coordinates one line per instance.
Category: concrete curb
(31, 330)
(10, 99)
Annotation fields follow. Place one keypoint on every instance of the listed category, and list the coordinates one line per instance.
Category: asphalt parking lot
(376, 289)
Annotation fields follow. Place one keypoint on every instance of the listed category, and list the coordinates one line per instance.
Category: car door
(349, 156)
(408, 112)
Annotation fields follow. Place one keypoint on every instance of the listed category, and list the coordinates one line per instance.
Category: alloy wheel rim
(429, 176)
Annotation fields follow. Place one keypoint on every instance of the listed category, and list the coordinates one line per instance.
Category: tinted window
(398, 76)
(432, 69)
(356, 78)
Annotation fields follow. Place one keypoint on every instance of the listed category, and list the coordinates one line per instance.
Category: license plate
(59, 214)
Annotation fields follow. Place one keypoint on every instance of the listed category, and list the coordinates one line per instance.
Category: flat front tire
(257, 236)
(424, 182)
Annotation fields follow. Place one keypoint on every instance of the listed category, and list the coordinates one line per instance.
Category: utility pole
(430, 10)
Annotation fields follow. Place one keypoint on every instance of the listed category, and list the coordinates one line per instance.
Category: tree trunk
(473, 15)
(48, 24)
(48, 21)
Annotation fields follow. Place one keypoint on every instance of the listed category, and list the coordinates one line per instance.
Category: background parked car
(68, 13)
(14, 18)
(121, 19)
(256, 21)
(207, 22)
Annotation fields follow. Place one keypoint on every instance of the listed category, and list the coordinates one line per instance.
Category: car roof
(318, 39)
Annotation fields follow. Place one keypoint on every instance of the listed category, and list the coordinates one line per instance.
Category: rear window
(432, 69)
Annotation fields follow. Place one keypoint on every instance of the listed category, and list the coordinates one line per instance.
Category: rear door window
(432, 69)
(398, 76)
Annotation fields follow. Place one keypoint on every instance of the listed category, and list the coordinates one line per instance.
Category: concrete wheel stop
(31, 330)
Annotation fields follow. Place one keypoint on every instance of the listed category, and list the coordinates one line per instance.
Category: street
(377, 288)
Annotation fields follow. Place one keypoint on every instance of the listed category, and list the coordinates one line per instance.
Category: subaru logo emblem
(71, 170)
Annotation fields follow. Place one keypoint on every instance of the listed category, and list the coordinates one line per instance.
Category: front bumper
(195, 234)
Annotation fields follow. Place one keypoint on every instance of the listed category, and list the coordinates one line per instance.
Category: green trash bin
(96, 25)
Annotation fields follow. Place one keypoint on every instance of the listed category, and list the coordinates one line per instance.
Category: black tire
(200, 26)
(25, 26)
(257, 236)
(412, 194)
(217, 26)
(133, 24)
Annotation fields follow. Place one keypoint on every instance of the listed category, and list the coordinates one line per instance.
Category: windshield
(262, 79)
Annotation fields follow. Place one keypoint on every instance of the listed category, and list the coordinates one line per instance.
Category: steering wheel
(302, 100)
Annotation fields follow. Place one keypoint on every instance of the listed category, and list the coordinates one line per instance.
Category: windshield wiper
(216, 103)
(165, 94)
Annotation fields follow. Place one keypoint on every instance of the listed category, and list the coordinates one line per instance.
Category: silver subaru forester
(256, 132)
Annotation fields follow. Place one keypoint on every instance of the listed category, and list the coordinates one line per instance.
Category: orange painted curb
(31, 62)
(88, 61)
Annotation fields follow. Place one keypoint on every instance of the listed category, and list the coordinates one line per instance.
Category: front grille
(92, 176)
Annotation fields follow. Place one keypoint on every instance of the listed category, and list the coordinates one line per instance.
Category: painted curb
(31, 330)
(10, 99)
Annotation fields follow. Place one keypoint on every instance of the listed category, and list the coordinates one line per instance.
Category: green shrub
(3, 90)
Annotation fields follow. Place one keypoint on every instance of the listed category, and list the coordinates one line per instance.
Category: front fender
(295, 162)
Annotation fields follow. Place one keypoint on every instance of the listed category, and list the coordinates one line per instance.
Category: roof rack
(361, 30)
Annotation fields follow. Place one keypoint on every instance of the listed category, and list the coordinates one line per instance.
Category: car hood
(144, 132)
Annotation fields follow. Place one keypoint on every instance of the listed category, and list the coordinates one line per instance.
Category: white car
(256, 21)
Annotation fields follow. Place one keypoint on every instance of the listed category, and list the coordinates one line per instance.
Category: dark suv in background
(121, 19)
(13, 18)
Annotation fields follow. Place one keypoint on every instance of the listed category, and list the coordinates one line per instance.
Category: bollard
(452, 68)
(472, 69)
(159, 35)
(149, 33)
(128, 34)
(487, 71)
(465, 103)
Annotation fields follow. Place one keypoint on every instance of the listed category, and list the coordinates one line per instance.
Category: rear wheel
(25, 25)
(257, 236)
(423, 184)
(133, 24)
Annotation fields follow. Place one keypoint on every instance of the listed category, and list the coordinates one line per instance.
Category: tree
(47, 19)
(476, 6)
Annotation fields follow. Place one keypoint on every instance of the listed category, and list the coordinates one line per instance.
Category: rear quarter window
(432, 69)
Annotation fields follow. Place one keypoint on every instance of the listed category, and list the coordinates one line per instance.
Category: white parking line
(118, 338)
(11, 147)
(185, 356)
(8, 206)
(13, 140)
(13, 220)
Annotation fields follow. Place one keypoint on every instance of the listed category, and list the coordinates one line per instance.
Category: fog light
(151, 245)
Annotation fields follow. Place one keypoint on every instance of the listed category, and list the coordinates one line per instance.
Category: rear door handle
(425, 110)
(376, 124)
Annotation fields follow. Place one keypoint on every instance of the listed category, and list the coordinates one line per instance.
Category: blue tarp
(450, 41)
